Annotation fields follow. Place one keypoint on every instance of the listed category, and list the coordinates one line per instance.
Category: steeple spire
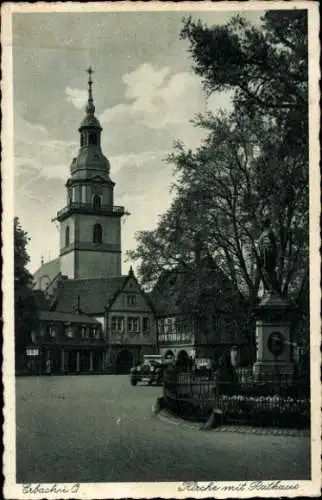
(90, 108)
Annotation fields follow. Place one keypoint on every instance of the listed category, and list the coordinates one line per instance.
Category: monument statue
(268, 256)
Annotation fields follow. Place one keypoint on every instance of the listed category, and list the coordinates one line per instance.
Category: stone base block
(272, 371)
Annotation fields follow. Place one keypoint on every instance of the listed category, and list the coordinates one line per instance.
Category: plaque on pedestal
(273, 338)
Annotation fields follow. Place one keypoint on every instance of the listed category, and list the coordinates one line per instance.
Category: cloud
(158, 99)
(35, 150)
(143, 82)
(77, 97)
(135, 160)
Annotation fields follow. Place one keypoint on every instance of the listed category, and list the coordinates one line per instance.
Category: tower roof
(90, 119)
(90, 161)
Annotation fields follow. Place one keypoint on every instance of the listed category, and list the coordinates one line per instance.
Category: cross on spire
(90, 71)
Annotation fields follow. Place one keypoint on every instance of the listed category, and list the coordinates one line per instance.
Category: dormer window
(96, 203)
(97, 233)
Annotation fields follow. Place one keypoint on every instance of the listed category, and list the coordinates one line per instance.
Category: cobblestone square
(100, 429)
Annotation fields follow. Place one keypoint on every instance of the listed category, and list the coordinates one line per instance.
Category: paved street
(99, 428)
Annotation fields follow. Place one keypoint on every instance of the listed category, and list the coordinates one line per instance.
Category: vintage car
(150, 371)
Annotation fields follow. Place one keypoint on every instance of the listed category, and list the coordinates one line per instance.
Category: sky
(145, 93)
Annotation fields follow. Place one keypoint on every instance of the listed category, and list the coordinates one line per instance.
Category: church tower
(90, 223)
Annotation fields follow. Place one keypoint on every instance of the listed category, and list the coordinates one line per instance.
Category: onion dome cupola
(90, 161)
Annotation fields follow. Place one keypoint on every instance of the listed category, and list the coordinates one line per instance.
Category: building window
(69, 331)
(67, 236)
(84, 332)
(169, 325)
(92, 139)
(117, 324)
(97, 203)
(146, 325)
(133, 325)
(83, 139)
(52, 331)
(97, 233)
(131, 300)
(95, 333)
(161, 326)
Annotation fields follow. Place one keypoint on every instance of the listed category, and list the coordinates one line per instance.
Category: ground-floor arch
(169, 354)
(183, 358)
(124, 361)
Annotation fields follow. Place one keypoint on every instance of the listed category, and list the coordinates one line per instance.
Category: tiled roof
(66, 317)
(94, 294)
(49, 269)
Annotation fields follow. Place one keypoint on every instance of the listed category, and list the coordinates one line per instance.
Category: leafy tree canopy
(253, 163)
(266, 67)
(25, 305)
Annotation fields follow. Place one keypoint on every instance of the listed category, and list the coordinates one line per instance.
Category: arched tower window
(92, 139)
(82, 140)
(67, 236)
(97, 233)
(96, 202)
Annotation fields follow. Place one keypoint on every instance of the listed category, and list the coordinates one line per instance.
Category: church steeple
(90, 108)
(90, 161)
(90, 242)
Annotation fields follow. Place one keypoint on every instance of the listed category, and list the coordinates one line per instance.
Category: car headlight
(138, 369)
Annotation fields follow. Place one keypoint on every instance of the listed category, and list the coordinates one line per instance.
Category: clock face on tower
(275, 343)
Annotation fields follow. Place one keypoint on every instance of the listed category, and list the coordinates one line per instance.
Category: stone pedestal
(274, 358)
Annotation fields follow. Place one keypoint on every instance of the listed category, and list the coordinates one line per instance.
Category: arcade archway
(183, 359)
(124, 362)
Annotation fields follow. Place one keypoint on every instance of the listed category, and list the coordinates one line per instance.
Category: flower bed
(265, 410)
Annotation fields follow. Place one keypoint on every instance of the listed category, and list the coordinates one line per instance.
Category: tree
(266, 68)
(253, 163)
(25, 304)
(224, 190)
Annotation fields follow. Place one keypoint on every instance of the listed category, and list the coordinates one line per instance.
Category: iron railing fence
(284, 403)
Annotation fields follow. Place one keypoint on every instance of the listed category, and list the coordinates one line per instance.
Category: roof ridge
(97, 279)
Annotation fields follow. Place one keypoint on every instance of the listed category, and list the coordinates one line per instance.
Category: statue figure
(268, 255)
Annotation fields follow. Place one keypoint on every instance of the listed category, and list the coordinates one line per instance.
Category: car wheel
(133, 381)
